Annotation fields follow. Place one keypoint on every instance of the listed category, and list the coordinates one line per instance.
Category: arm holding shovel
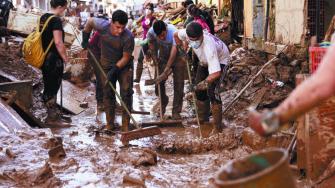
(167, 71)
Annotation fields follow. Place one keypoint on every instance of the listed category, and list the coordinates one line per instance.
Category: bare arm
(319, 87)
(89, 25)
(58, 38)
(214, 76)
(172, 57)
(124, 60)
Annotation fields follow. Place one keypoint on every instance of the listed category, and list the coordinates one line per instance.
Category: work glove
(164, 76)
(86, 37)
(203, 85)
(265, 123)
(113, 73)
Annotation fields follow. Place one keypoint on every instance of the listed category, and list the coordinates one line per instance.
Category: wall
(289, 21)
(248, 19)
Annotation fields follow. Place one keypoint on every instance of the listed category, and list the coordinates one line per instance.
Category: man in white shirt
(213, 56)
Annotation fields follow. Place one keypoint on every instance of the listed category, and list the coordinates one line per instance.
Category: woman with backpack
(201, 17)
(53, 65)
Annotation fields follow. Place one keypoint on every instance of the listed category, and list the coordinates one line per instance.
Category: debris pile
(273, 85)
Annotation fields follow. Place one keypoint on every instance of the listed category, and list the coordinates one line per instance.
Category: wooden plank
(73, 96)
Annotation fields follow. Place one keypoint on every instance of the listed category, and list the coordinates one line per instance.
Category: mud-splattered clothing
(112, 49)
(178, 68)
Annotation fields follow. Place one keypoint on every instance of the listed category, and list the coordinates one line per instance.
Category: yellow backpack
(32, 48)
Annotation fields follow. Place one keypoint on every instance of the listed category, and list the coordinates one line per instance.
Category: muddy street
(77, 157)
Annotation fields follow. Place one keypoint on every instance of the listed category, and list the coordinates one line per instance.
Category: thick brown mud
(77, 157)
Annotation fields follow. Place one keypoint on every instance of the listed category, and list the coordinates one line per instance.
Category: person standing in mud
(213, 56)
(53, 66)
(95, 46)
(164, 50)
(117, 46)
(146, 22)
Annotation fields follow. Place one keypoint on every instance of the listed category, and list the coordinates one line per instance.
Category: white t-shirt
(211, 53)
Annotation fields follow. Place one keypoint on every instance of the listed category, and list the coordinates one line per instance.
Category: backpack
(209, 20)
(32, 48)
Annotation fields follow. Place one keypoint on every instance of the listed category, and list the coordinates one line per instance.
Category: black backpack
(208, 18)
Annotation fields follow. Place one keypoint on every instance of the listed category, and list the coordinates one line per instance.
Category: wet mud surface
(77, 157)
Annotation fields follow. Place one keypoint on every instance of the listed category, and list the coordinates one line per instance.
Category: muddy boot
(99, 113)
(125, 123)
(217, 118)
(176, 116)
(139, 70)
(203, 111)
(53, 118)
(110, 117)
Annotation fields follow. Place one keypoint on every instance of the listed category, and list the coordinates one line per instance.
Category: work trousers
(139, 67)
(52, 71)
(125, 79)
(178, 71)
(204, 95)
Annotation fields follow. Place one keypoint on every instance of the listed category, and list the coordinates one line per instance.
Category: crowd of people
(112, 44)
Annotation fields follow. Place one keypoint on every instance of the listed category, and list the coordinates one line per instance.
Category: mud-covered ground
(76, 157)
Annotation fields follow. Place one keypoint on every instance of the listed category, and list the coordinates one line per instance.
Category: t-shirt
(113, 47)
(146, 24)
(54, 24)
(171, 29)
(211, 53)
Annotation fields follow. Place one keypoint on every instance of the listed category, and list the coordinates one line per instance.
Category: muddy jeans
(125, 79)
(178, 71)
(98, 84)
(202, 73)
(52, 71)
(139, 67)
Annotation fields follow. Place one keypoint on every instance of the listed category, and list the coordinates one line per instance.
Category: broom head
(140, 133)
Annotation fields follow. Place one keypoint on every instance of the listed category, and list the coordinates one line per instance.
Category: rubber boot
(53, 118)
(176, 116)
(203, 111)
(125, 123)
(110, 117)
(217, 117)
(139, 70)
(99, 113)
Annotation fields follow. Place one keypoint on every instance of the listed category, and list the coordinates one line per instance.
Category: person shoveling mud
(116, 59)
(209, 71)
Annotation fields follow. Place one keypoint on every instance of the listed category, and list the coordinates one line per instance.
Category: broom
(139, 132)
